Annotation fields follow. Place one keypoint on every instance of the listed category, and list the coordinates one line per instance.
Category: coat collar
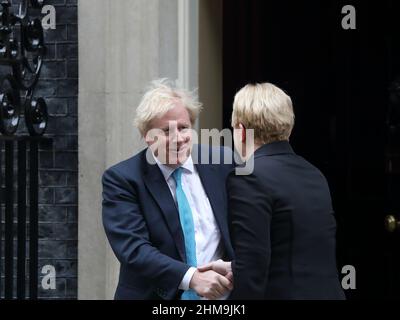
(158, 188)
(167, 171)
(274, 148)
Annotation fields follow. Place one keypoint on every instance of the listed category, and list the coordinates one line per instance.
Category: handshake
(213, 280)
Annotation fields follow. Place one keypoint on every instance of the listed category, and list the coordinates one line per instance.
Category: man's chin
(173, 158)
(177, 158)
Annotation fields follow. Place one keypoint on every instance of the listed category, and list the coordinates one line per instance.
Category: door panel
(346, 99)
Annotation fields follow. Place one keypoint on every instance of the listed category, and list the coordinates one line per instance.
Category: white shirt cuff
(186, 279)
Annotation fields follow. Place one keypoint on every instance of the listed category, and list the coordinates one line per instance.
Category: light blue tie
(186, 219)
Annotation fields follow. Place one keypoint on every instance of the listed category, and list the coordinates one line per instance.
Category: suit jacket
(283, 229)
(142, 224)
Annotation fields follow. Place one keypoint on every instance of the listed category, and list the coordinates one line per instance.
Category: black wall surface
(59, 167)
(339, 82)
(58, 163)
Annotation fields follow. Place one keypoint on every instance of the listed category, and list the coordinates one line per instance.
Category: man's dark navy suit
(142, 224)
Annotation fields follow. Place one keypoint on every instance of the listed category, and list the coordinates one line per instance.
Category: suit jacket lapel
(160, 192)
(212, 183)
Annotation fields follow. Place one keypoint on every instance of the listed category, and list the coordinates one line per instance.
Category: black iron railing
(22, 51)
(19, 216)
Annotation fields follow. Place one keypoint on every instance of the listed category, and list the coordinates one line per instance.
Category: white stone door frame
(122, 46)
(188, 44)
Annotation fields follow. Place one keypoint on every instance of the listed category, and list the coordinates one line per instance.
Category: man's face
(170, 136)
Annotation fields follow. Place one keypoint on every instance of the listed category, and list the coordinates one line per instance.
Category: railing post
(21, 283)
(1, 218)
(33, 219)
(9, 220)
(16, 287)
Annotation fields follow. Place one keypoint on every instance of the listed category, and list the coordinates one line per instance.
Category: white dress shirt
(207, 234)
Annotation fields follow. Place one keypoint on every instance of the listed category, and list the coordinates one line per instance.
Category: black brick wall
(58, 164)
(58, 175)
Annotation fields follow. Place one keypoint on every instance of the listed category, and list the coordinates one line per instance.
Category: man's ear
(152, 136)
(243, 132)
(147, 139)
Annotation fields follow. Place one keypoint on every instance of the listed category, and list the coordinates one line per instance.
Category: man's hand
(222, 267)
(210, 284)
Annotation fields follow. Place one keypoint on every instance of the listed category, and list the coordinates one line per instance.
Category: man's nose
(178, 137)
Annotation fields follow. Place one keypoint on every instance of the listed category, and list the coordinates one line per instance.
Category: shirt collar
(167, 171)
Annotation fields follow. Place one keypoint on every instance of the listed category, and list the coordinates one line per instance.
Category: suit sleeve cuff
(186, 279)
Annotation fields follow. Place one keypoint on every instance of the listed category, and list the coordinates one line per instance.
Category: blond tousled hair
(266, 109)
(160, 97)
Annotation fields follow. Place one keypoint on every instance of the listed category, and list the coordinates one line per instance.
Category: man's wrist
(185, 283)
(229, 266)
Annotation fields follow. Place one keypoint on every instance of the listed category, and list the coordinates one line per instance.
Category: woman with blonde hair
(282, 222)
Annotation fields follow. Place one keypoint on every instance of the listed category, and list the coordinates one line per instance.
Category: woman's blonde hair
(266, 109)
(160, 97)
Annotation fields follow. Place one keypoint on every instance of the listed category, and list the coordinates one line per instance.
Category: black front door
(345, 85)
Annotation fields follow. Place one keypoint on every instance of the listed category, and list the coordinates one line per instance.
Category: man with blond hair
(165, 214)
(281, 217)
